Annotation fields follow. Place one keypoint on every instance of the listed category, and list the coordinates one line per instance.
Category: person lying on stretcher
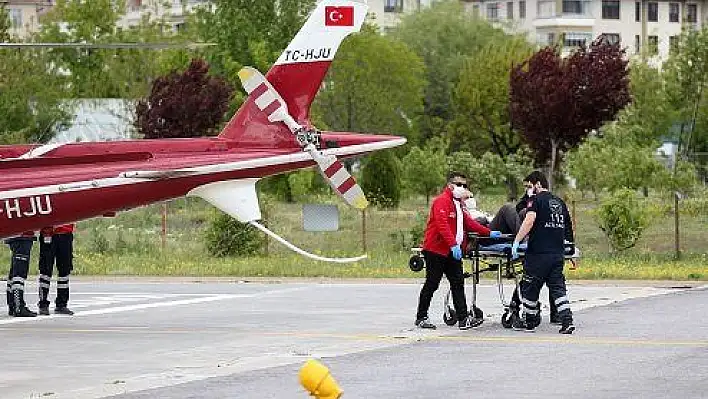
(508, 218)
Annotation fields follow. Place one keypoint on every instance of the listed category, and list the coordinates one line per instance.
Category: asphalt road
(215, 340)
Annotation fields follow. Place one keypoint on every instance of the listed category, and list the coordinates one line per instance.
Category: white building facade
(24, 15)
(641, 26)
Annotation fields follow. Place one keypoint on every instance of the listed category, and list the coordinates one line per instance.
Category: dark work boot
(63, 310)
(21, 309)
(10, 303)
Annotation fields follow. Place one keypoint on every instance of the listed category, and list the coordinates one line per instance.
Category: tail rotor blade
(272, 104)
(267, 99)
(340, 179)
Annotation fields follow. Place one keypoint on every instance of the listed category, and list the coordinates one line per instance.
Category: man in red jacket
(442, 249)
(55, 243)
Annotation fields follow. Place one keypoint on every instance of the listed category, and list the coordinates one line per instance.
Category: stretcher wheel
(477, 313)
(416, 263)
(450, 317)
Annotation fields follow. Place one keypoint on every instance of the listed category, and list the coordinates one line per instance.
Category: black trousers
(19, 267)
(548, 269)
(435, 266)
(57, 248)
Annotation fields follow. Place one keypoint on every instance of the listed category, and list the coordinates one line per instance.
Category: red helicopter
(46, 185)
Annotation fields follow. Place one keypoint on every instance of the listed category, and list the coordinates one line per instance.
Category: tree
(425, 169)
(687, 82)
(381, 179)
(443, 35)
(374, 85)
(481, 99)
(106, 73)
(248, 32)
(186, 104)
(556, 102)
(623, 219)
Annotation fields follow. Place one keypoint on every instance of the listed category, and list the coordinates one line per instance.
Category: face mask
(457, 191)
(471, 203)
(530, 192)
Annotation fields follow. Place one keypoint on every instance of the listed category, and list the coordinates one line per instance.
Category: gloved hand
(515, 250)
(456, 252)
(495, 234)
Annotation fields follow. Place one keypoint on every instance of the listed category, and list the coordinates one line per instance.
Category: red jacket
(63, 229)
(442, 225)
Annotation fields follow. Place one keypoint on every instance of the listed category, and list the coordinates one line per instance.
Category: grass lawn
(130, 244)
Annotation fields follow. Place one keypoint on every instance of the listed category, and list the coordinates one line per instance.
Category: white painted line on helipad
(128, 308)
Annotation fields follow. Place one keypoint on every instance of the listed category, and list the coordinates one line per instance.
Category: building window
(691, 13)
(551, 38)
(653, 12)
(673, 44)
(493, 12)
(16, 18)
(637, 11)
(610, 9)
(576, 39)
(653, 42)
(522, 9)
(393, 6)
(509, 10)
(611, 38)
(546, 8)
(636, 44)
(572, 7)
(673, 12)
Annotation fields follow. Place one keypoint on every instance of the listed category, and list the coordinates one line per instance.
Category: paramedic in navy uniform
(442, 250)
(548, 224)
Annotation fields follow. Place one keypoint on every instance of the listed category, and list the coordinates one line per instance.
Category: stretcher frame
(485, 259)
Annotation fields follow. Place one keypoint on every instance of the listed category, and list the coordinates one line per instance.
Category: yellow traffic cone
(316, 379)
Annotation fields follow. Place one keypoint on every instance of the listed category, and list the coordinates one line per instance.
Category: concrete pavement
(224, 339)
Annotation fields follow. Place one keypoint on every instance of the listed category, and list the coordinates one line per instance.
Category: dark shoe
(521, 325)
(44, 311)
(425, 323)
(10, 311)
(470, 322)
(555, 319)
(567, 328)
(63, 310)
(24, 312)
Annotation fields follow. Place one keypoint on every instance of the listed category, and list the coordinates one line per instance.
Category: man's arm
(569, 235)
(473, 225)
(526, 226)
(440, 215)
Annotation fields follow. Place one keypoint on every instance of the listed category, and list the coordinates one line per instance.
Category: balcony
(574, 13)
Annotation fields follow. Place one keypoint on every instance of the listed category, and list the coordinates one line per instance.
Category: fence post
(676, 224)
(363, 228)
(164, 225)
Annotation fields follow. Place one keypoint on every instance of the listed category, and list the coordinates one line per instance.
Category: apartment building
(173, 12)
(24, 15)
(649, 27)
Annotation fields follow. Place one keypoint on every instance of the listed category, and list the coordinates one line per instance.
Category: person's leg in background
(434, 267)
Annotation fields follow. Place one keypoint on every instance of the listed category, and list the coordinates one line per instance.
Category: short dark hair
(537, 177)
(453, 175)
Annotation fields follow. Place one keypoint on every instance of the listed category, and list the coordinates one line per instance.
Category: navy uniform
(21, 247)
(544, 260)
(55, 245)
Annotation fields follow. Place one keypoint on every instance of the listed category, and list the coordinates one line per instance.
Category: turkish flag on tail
(339, 16)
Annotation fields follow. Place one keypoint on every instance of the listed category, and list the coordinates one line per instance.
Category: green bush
(381, 179)
(623, 218)
(228, 237)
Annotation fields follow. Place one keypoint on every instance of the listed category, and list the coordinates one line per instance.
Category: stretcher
(490, 255)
